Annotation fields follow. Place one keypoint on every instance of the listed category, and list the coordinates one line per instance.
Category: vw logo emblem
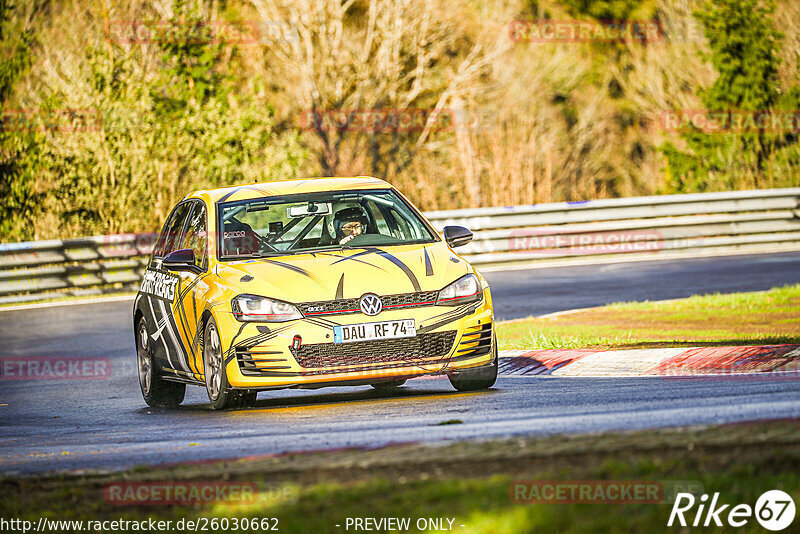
(370, 304)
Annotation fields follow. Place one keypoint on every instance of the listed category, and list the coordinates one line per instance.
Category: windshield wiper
(336, 247)
(240, 256)
(289, 252)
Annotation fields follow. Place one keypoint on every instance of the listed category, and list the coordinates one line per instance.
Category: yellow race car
(306, 284)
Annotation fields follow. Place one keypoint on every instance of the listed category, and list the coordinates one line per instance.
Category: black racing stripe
(356, 255)
(353, 257)
(296, 269)
(156, 297)
(252, 342)
(428, 266)
(180, 348)
(178, 303)
(185, 322)
(156, 322)
(255, 340)
(299, 183)
(321, 322)
(434, 326)
(322, 325)
(403, 266)
(447, 314)
(340, 289)
(228, 194)
(233, 341)
(268, 192)
(254, 188)
(371, 250)
(198, 336)
(457, 314)
(289, 266)
(182, 294)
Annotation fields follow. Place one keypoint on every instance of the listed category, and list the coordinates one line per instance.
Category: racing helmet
(346, 213)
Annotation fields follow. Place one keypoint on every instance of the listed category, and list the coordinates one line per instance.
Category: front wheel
(156, 391)
(479, 378)
(220, 393)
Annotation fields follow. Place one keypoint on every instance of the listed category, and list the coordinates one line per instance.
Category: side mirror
(180, 260)
(457, 236)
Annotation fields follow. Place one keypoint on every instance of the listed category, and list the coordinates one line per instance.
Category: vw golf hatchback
(306, 284)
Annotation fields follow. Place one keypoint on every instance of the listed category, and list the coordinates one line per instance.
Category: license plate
(348, 333)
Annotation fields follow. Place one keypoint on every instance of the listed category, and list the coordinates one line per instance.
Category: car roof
(289, 187)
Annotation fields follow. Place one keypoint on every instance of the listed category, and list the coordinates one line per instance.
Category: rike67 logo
(774, 510)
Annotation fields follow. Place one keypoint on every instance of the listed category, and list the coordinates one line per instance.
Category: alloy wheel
(145, 365)
(213, 362)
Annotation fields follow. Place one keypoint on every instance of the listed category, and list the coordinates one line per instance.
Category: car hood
(347, 273)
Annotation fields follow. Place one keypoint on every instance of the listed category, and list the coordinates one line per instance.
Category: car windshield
(318, 221)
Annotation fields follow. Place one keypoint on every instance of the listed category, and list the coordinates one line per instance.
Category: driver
(349, 223)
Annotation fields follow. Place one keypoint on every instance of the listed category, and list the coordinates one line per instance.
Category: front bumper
(261, 356)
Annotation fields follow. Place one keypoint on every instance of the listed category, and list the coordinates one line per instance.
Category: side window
(401, 228)
(377, 215)
(158, 250)
(196, 237)
(174, 229)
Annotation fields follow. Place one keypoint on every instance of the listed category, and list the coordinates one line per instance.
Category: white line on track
(37, 305)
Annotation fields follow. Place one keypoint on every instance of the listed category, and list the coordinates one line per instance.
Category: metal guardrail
(628, 228)
(638, 227)
(49, 269)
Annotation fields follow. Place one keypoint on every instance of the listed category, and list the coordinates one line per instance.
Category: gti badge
(370, 304)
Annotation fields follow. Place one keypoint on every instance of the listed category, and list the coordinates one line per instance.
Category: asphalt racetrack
(52, 425)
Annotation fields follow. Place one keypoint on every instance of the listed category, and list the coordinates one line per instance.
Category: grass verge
(759, 318)
(469, 482)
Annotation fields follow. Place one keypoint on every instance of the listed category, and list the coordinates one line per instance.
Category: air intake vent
(476, 342)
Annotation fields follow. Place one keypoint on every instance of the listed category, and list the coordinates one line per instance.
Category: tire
(479, 378)
(220, 394)
(389, 386)
(249, 399)
(157, 392)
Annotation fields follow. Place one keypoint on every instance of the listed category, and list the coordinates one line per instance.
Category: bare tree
(396, 56)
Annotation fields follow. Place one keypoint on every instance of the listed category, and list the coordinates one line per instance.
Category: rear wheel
(479, 378)
(220, 393)
(156, 391)
(388, 386)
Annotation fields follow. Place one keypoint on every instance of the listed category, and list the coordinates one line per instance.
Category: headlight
(465, 289)
(255, 308)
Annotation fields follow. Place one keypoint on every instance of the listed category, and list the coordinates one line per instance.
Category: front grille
(346, 306)
(431, 345)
